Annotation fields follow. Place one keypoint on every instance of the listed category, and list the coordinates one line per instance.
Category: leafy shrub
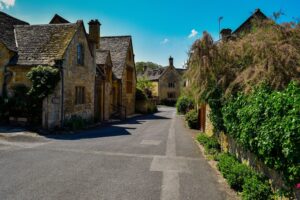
(184, 104)
(210, 144)
(140, 95)
(76, 123)
(20, 104)
(239, 172)
(152, 109)
(192, 119)
(44, 79)
(243, 179)
(225, 164)
(255, 188)
(168, 102)
(267, 123)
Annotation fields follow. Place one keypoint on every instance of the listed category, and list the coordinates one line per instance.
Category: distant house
(124, 73)
(245, 27)
(167, 81)
(97, 73)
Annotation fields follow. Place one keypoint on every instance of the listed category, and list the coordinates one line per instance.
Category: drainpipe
(59, 65)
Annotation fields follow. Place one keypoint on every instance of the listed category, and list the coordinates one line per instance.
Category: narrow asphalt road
(146, 157)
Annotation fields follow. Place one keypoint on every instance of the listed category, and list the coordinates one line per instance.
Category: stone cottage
(166, 81)
(115, 57)
(124, 74)
(97, 73)
(64, 46)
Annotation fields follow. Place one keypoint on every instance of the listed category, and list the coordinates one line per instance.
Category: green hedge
(267, 123)
(211, 144)
(243, 179)
(184, 104)
(192, 119)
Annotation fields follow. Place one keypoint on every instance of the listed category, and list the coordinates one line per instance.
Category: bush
(237, 176)
(254, 188)
(192, 119)
(152, 109)
(168, 102)
(76, 123)
(226, 163)
(44, 79)
(184, 104)
(242, 178)
(140, 95)
(267, 123)
(210, 144)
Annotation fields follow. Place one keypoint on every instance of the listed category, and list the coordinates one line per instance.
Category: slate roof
(7, 30)
(118, 47)
(42, 44)
(247, 24)
(101, 56)
(57, 19)
(155, 74)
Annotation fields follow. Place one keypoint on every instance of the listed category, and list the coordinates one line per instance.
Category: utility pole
(220, 19)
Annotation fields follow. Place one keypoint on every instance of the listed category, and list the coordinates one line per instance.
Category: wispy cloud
(6, 3)
(193, 33)
(165, 41)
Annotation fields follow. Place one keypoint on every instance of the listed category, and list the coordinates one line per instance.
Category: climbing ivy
(44, 79)
(267, 123)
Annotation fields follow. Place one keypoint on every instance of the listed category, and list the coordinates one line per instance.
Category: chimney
(226, 33)
(171, 63)
(94, 33)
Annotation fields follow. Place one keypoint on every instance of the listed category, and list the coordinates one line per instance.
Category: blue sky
(160, 28)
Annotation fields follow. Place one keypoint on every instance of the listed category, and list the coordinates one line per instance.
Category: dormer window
(80, 54)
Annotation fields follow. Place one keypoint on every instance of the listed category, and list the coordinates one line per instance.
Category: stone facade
(92, 84)
(128, 93)
(169, 85)
(5, 55)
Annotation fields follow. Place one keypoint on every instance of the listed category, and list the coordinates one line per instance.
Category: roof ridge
(36, 25)
(3, 13)
(116, 36)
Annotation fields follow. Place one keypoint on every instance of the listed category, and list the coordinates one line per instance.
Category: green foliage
(211, 144)
(20, 104)
(152, 109)
(184, 104)
(243, 179)
(76, 123)
(192, 119)
(168, 102)
(140, 95)
(44, 79)
(140, 66)
(254, 188)
(267, 123)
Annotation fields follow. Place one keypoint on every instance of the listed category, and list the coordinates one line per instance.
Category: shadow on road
(109, 129)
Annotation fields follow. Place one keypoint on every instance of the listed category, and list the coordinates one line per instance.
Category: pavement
(151, 157)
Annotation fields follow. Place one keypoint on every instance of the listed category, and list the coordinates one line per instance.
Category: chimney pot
(171, 61)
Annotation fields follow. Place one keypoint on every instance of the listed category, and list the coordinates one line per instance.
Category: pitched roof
(153, 74)
(43, 44)
(181, 71)
(57, 19)
(101, 56)
(118, 47)
(7, 30)
(247, 24)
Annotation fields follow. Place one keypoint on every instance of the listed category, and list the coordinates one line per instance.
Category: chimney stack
(171, 61)
(94, 33)
(225, 34)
